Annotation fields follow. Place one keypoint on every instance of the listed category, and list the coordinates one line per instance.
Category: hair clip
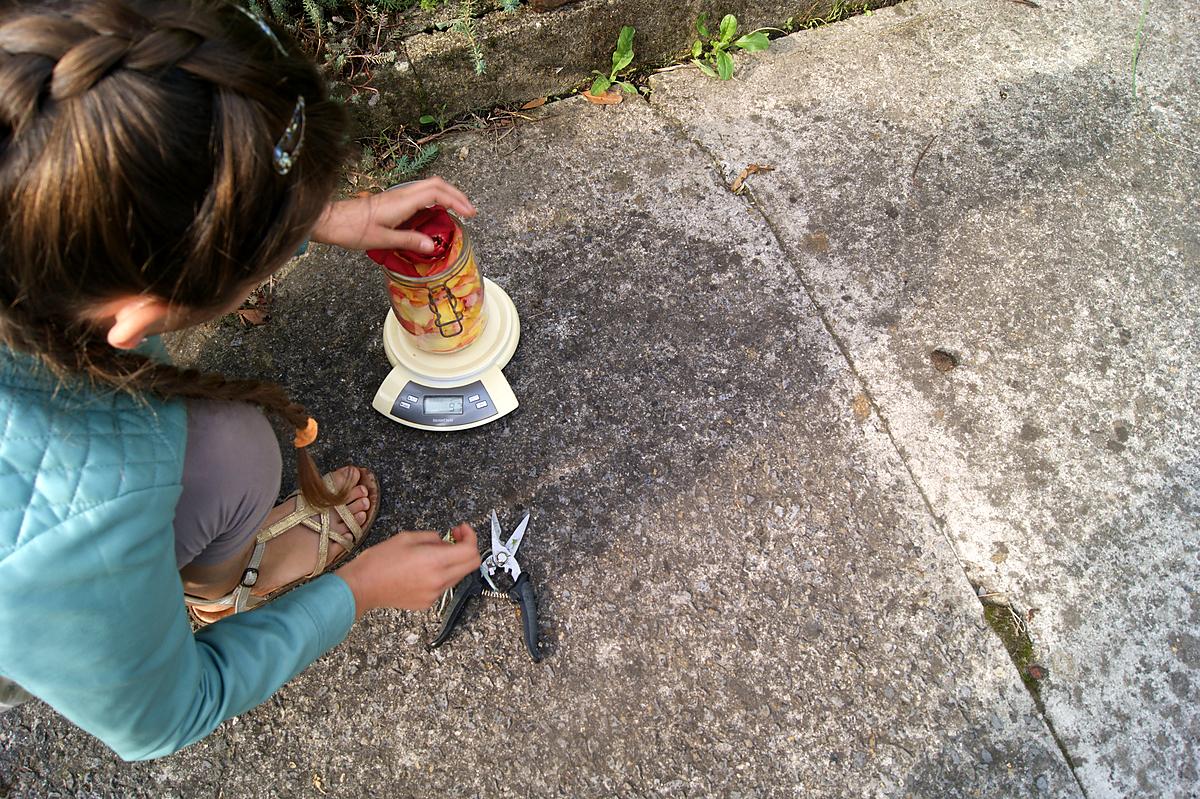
(264, 27)
(287, 149)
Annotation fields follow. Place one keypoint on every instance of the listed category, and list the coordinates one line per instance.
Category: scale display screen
(435, 406)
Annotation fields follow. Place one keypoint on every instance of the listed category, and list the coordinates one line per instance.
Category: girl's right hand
(410, 570)
(368, 223)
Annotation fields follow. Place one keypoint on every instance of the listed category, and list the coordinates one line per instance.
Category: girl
(159, 160)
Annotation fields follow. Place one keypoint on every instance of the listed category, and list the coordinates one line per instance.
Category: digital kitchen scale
(455, 390)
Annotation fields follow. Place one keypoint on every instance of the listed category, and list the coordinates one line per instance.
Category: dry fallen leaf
(254, 317)
(739, 183)
(943, 361)
(539, 102)
(610, 97)
(862, 407)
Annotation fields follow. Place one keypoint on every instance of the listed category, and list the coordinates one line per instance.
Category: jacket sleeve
(92, 621)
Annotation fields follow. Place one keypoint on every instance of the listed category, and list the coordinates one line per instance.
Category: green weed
(621, 58)
(1137, 43)
(710, 53)
(437, 118)
(1014, 634)
(382, 163)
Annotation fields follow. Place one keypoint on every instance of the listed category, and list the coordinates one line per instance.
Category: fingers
(460, 556)
(405, 240)
(464, 532)
(463, 554)
(436, 191)
(367, 223)
(465, 541)
(416, 538)
(410, 570)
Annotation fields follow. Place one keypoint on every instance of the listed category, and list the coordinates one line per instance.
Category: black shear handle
(522, 594)
(469, 586)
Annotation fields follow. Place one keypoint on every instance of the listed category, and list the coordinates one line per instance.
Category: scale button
(473, 398)
(404, 405)
(411, 398)
(481, 404)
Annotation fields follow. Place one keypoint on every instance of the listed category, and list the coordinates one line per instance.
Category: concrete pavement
(763, 516)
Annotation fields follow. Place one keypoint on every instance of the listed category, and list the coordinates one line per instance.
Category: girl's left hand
(368, 223)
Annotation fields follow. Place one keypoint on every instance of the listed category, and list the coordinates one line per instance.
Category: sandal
(241, 599)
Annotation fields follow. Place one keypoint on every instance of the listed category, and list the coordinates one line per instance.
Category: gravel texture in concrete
(762, 514)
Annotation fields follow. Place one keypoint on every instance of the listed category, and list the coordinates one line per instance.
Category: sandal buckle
(249, 577)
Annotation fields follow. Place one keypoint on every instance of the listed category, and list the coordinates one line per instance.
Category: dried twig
(928, 144)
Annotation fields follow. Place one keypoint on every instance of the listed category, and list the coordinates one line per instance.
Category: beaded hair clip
(287, 148)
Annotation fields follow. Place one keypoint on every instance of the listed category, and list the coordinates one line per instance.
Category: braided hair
(136, 141)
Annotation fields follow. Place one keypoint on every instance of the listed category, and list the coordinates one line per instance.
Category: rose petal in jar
(459, 299)
(464, 289)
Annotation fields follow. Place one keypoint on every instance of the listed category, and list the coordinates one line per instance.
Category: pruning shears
(501, 573)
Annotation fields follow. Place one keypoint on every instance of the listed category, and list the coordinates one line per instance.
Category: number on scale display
(435, 406)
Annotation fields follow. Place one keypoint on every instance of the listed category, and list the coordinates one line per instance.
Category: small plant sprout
(710, 53)
(437, 118)
(382, 165)
(840, 10)
(621, 58)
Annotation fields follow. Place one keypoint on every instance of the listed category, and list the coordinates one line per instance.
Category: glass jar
(443, 311)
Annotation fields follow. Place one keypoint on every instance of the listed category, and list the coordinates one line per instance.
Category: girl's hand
(410, 570)
(367, 223)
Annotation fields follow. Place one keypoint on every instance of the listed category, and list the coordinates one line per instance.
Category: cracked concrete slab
(979, 178)
(742, 590)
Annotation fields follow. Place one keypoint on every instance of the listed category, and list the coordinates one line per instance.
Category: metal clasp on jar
(442, 300)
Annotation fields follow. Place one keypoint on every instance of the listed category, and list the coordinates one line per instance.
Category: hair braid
(135, 142)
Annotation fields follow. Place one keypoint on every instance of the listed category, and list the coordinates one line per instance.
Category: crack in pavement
(810, 292)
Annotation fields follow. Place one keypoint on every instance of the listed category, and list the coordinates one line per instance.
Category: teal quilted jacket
(91, 606)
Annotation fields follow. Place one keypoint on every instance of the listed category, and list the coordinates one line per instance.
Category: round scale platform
(456, 390)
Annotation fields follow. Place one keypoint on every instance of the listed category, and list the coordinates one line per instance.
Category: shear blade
(495, 533)
(518, 535)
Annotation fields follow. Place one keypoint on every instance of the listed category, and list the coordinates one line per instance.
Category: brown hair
(136, 142)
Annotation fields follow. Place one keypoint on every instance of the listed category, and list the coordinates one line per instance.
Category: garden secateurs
(499, 568)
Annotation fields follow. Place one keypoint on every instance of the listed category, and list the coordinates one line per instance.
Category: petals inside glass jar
(438, 297)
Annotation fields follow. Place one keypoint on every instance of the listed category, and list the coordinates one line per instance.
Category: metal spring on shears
(449, 595)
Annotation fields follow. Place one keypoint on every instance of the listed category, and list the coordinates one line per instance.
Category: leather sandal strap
(322, 540)
(249, 578)
(298, 516)
(240, 597)
(352, 525)
(319, 522)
